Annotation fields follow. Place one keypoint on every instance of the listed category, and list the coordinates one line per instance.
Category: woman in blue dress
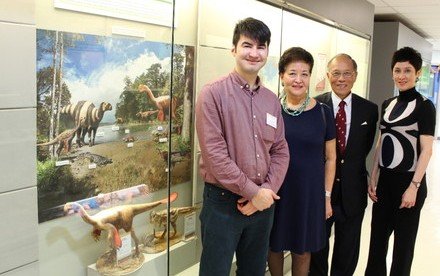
(304, 204)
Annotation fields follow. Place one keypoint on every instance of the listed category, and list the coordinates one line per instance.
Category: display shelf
(154, 264)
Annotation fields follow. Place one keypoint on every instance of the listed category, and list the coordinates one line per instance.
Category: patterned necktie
(341, 127)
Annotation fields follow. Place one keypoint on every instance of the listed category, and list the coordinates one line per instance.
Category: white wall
(435, 57)
(389, 37)
(18, 192)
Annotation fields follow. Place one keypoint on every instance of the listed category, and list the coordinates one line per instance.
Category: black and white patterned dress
(404, 118)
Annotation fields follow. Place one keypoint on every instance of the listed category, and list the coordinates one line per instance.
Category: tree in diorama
(188, 93)
(131, 102)
(52, 92)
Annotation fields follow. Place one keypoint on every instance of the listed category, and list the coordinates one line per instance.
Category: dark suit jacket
(351, 177)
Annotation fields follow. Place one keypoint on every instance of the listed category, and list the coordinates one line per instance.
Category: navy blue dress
(299, 222)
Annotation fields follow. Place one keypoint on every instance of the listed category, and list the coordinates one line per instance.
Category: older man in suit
(355, 119)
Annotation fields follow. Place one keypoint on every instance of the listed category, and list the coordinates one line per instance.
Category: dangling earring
(417, 79)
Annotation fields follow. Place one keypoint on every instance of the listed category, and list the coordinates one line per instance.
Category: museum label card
(130, 145)
(127, 131)
(92, 166)
(126, 247)
(163, 140)
(100, 134)
(62, 163)
(115, 128)
(189, 228)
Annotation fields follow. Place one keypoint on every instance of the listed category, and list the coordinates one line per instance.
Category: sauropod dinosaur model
(64, 139)
(159, 219)
(115, 218)
(161, 102)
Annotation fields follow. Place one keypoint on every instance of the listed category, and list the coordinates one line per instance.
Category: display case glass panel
(115, 121)
(114, 129)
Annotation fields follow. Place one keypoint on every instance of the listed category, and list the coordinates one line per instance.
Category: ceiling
(422, 16)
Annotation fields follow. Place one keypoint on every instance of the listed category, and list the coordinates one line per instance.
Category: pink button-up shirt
(241, 136)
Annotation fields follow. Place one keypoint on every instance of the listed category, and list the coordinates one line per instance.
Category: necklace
(294, 112)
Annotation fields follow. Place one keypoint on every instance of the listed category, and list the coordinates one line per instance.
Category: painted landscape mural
(103, 119)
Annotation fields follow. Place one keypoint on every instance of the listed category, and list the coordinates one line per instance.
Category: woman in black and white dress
(398, 183)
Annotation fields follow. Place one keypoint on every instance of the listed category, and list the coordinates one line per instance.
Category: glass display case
(117, 153)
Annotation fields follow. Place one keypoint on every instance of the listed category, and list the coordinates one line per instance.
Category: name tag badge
(271, 120)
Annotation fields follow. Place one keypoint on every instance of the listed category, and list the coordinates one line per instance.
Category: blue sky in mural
(94, 67)
(94, 52)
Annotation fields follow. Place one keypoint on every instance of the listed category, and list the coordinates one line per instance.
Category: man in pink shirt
(244, 158)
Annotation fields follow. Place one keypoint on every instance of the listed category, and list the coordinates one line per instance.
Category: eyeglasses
(345, 75)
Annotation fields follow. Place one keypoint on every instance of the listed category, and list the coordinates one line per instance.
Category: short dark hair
(355, 66)
(294, 54)
(407, 54)
(252, 28)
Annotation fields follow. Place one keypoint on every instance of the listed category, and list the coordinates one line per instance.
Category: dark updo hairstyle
(252, 28)
(294, 54)
(407, 54)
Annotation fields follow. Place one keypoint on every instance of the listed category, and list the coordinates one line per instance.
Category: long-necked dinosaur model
(116, 218)
(161, 102)
(159, 219)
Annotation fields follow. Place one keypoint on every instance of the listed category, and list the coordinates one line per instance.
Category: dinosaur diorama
(162, 102)
(64, 139)
(115, 218)
(92, 117)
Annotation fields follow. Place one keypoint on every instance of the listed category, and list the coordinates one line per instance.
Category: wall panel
(17, 68)
(17, 149)
(19, 228)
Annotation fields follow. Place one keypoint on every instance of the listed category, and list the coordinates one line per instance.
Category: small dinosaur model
(119, 121)
(64, 139)
(129, 139)
(115, 218)
(159, 219)
(144, 115)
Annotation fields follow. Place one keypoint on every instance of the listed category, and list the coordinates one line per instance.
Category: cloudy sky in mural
(94, 67)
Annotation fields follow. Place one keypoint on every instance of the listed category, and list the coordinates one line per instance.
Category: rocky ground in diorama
(103, 111)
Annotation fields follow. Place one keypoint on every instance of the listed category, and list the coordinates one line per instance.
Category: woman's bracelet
(328, 193)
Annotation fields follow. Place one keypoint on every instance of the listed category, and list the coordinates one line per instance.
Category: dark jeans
(225, 231)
